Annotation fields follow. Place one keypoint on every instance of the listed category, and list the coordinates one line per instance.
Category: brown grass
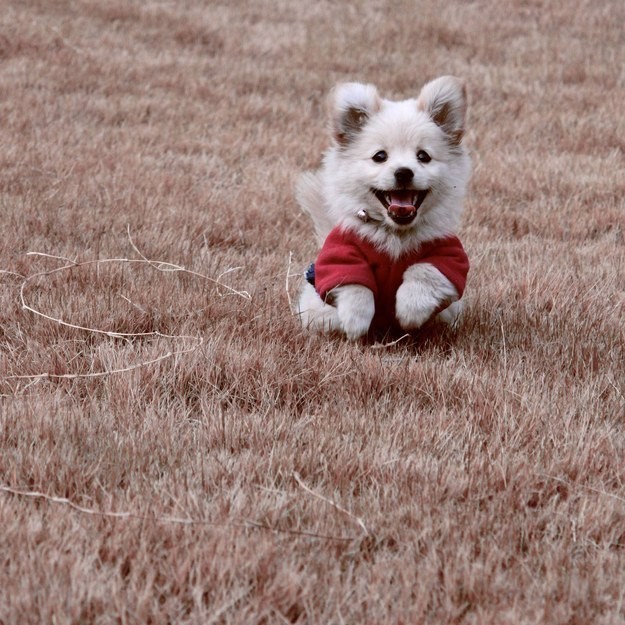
(223, 466)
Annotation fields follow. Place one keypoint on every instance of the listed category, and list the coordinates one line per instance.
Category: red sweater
(345, 258)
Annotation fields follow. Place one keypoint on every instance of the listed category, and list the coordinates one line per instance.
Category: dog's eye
(423, 156)
(380, 157)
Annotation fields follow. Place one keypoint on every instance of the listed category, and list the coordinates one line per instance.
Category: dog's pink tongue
(401, 203)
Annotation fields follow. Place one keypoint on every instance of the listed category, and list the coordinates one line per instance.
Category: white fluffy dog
(386, 204)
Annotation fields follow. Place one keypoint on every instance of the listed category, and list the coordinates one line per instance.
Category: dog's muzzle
(401, 205)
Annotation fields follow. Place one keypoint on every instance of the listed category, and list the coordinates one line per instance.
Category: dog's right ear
(351, 106)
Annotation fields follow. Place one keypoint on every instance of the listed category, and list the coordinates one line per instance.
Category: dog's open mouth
(401, 204)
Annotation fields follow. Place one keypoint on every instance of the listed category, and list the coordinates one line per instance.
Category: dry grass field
(174, 448)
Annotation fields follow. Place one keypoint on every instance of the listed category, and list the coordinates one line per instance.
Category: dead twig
(584, 486)
(304, 533)
(335, 505)
(6, 272)
(166, 266)
(286, 284)
(391, 344)
(163, 266)
(99, 374)
(245, 524)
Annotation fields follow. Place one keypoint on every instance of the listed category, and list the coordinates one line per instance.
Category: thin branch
(286, 285)
(67, 502)
(99, 374)
(139, 308)
(59, 321)
(6, 272)
(165, 266)
(71, 264)
(391, 344)
(246, 524)
(53, 256)
(309, 490)
(619, 392)
(304, 533)
(136, 249)
(590, 488)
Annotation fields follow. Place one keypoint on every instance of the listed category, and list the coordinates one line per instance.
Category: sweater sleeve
(449, 257)
(341, 261)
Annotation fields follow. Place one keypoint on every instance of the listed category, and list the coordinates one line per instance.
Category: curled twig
(74, 326)
(166, 266)
(99, 374)
(158, 265)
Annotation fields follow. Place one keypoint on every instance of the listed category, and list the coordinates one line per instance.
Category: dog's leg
(451, 314)
(314, 313)
(424, 290)
(356, 306)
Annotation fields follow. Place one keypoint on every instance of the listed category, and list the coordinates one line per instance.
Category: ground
(174, 448)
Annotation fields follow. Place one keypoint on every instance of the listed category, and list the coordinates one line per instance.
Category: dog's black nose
(404, 175)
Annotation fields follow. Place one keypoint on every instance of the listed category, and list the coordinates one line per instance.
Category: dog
(386, 204)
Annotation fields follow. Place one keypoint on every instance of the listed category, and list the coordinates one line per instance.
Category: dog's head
(398, 164)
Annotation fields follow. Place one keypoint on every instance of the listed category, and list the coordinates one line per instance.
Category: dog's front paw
(423, 292)
(414, 305)
(356, 307)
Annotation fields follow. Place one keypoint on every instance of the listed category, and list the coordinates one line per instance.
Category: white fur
(362, 123)
(316, 314)
(352, 313)
(356, 307)
(423, 290)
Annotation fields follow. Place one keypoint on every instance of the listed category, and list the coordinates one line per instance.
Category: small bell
(362, 215)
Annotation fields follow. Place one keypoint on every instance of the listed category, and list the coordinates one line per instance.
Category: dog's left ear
(445, 100)
(351, 106)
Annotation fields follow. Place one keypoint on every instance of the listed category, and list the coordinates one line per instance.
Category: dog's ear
(445, 100)
(351, 106)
